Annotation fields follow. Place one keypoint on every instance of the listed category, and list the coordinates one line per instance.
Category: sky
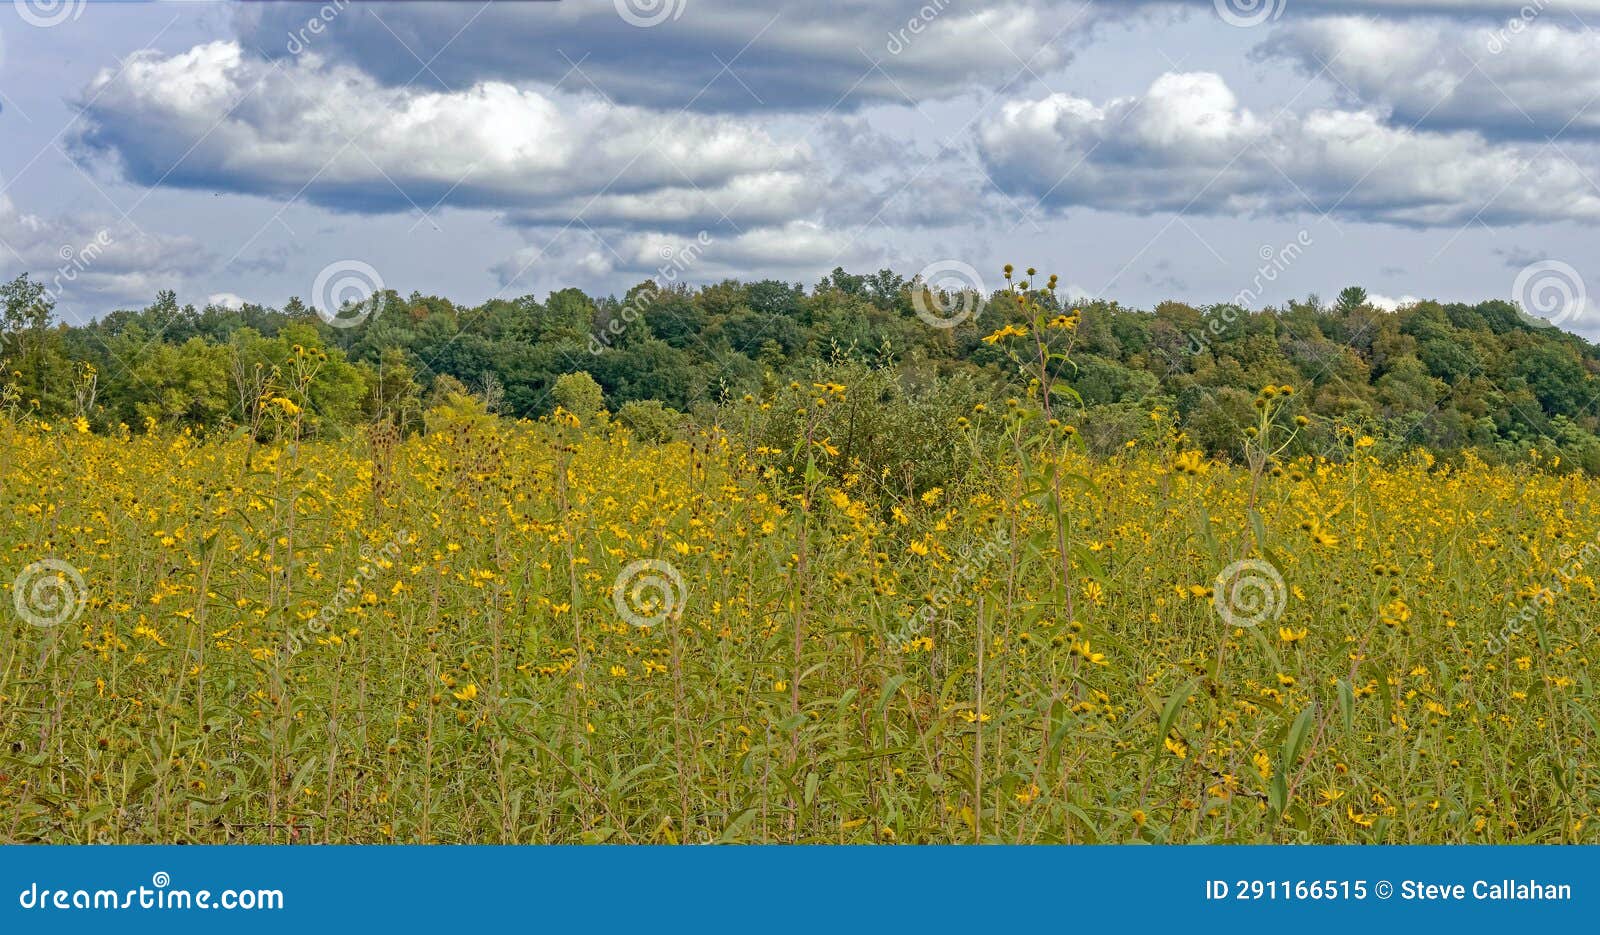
(1202, 151)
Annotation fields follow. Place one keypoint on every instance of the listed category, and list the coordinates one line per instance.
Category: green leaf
(1169, 711)
(1295, 742)
(889, 688)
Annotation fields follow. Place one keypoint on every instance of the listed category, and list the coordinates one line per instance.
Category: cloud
(219, 118)
(1531, 82)
(267, 260)
(1519, 257)
(879, 178)
(226, 300)
(1188, 145)
(798, 248)
(89, 258)
(1261, 12)
(1389, 303)
(702, 55)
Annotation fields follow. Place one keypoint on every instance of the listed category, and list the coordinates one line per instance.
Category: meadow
(552, 631)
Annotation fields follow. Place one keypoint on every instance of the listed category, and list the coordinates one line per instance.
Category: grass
(438, 640)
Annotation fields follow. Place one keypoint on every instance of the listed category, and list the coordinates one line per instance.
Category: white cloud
(88, 258)
(1281, 11)
(226, 300)
(705, 55)
(1389, 303)
(216, 117)
(1188, 144)
(1533, 81)
(798, 248)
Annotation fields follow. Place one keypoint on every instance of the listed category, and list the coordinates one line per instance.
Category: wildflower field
(554, 632)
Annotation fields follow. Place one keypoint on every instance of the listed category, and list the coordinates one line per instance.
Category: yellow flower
(468, 693)
(1083, 650)
(1009, 331)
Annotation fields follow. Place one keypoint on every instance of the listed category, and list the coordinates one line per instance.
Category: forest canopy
(1448, 377)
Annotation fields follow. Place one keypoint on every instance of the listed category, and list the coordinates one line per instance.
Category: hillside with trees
(1447, 377)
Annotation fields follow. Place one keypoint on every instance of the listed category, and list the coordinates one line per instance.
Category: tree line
(1450, 377)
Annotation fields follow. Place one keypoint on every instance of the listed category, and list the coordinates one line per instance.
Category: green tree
(579, 394)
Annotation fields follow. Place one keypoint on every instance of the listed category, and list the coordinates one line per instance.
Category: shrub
(649, 420)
